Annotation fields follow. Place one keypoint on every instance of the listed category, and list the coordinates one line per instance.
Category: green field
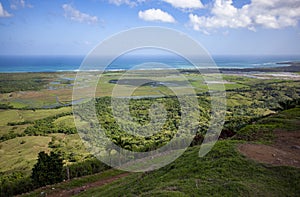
(14, 122)
(20, 154)
(7, 116)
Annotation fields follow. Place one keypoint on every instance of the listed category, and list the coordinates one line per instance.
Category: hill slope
(223, 172)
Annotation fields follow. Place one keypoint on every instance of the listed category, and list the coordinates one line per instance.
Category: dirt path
(285, 151)
(77, 190)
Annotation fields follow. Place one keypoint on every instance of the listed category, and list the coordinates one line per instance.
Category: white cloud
(3, 13)
(16, 4)
(267, 21)
(185, 4)
(120, 2)
(156, 15)
(224, 15)
(75, 15)
(273, 14)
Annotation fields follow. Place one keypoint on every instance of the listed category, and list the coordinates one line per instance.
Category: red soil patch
(285, 151)
(77, 190)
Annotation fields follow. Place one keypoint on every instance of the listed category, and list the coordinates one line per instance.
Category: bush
(84, 168)
(48, 170)
(5, 106)
(14, 184)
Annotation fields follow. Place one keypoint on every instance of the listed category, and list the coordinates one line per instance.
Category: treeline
(5, 106)
(11, 135)
(15, 183)
(289, 104)
(46, 126)
(48, 170)
(39, 127)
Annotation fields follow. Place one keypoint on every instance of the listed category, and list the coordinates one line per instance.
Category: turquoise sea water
(72, 63)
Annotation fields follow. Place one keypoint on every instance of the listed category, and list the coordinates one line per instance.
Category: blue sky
(63, 27)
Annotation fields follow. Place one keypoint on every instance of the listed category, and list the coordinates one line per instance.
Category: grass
(234, 86)
(13, 115)
(65, 121)
(222, 172)
(262, 130)
(39, 114)
(20, 154)
(15, 129)
(7, 116)
(77, 182)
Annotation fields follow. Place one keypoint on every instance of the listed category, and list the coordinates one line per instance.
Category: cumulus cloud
(3, 13)
(185, 4)
(273, 14)
(156, 15)
(75, 15)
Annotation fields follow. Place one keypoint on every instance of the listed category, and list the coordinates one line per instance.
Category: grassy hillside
(17, 116)
(20, 154)
(263, 129)
(223, 172)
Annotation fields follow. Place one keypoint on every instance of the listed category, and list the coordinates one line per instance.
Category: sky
(222, 27)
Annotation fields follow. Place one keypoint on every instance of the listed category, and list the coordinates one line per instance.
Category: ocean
(10, 64)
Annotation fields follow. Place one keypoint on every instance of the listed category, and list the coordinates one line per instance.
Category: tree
(48, 169)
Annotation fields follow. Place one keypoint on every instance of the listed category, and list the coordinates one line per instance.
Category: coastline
(289, 67)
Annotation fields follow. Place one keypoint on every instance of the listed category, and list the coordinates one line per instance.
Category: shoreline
(289, 67)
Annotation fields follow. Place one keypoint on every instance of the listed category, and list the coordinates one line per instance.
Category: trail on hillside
(77, 190)
(285, 151)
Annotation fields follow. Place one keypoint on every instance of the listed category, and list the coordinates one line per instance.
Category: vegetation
(262, 130)
(30, 122)
(47, 170)
(5, 106)
(73, 183)
(15, 183)
(26, 132)
(46, 126)
(223, 172)
(20, 154)
(70, 146)
(87, 167)
(11, 82)
(12, 120)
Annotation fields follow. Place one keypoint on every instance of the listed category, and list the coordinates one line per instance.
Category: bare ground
(285, 151)
(77, 190)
